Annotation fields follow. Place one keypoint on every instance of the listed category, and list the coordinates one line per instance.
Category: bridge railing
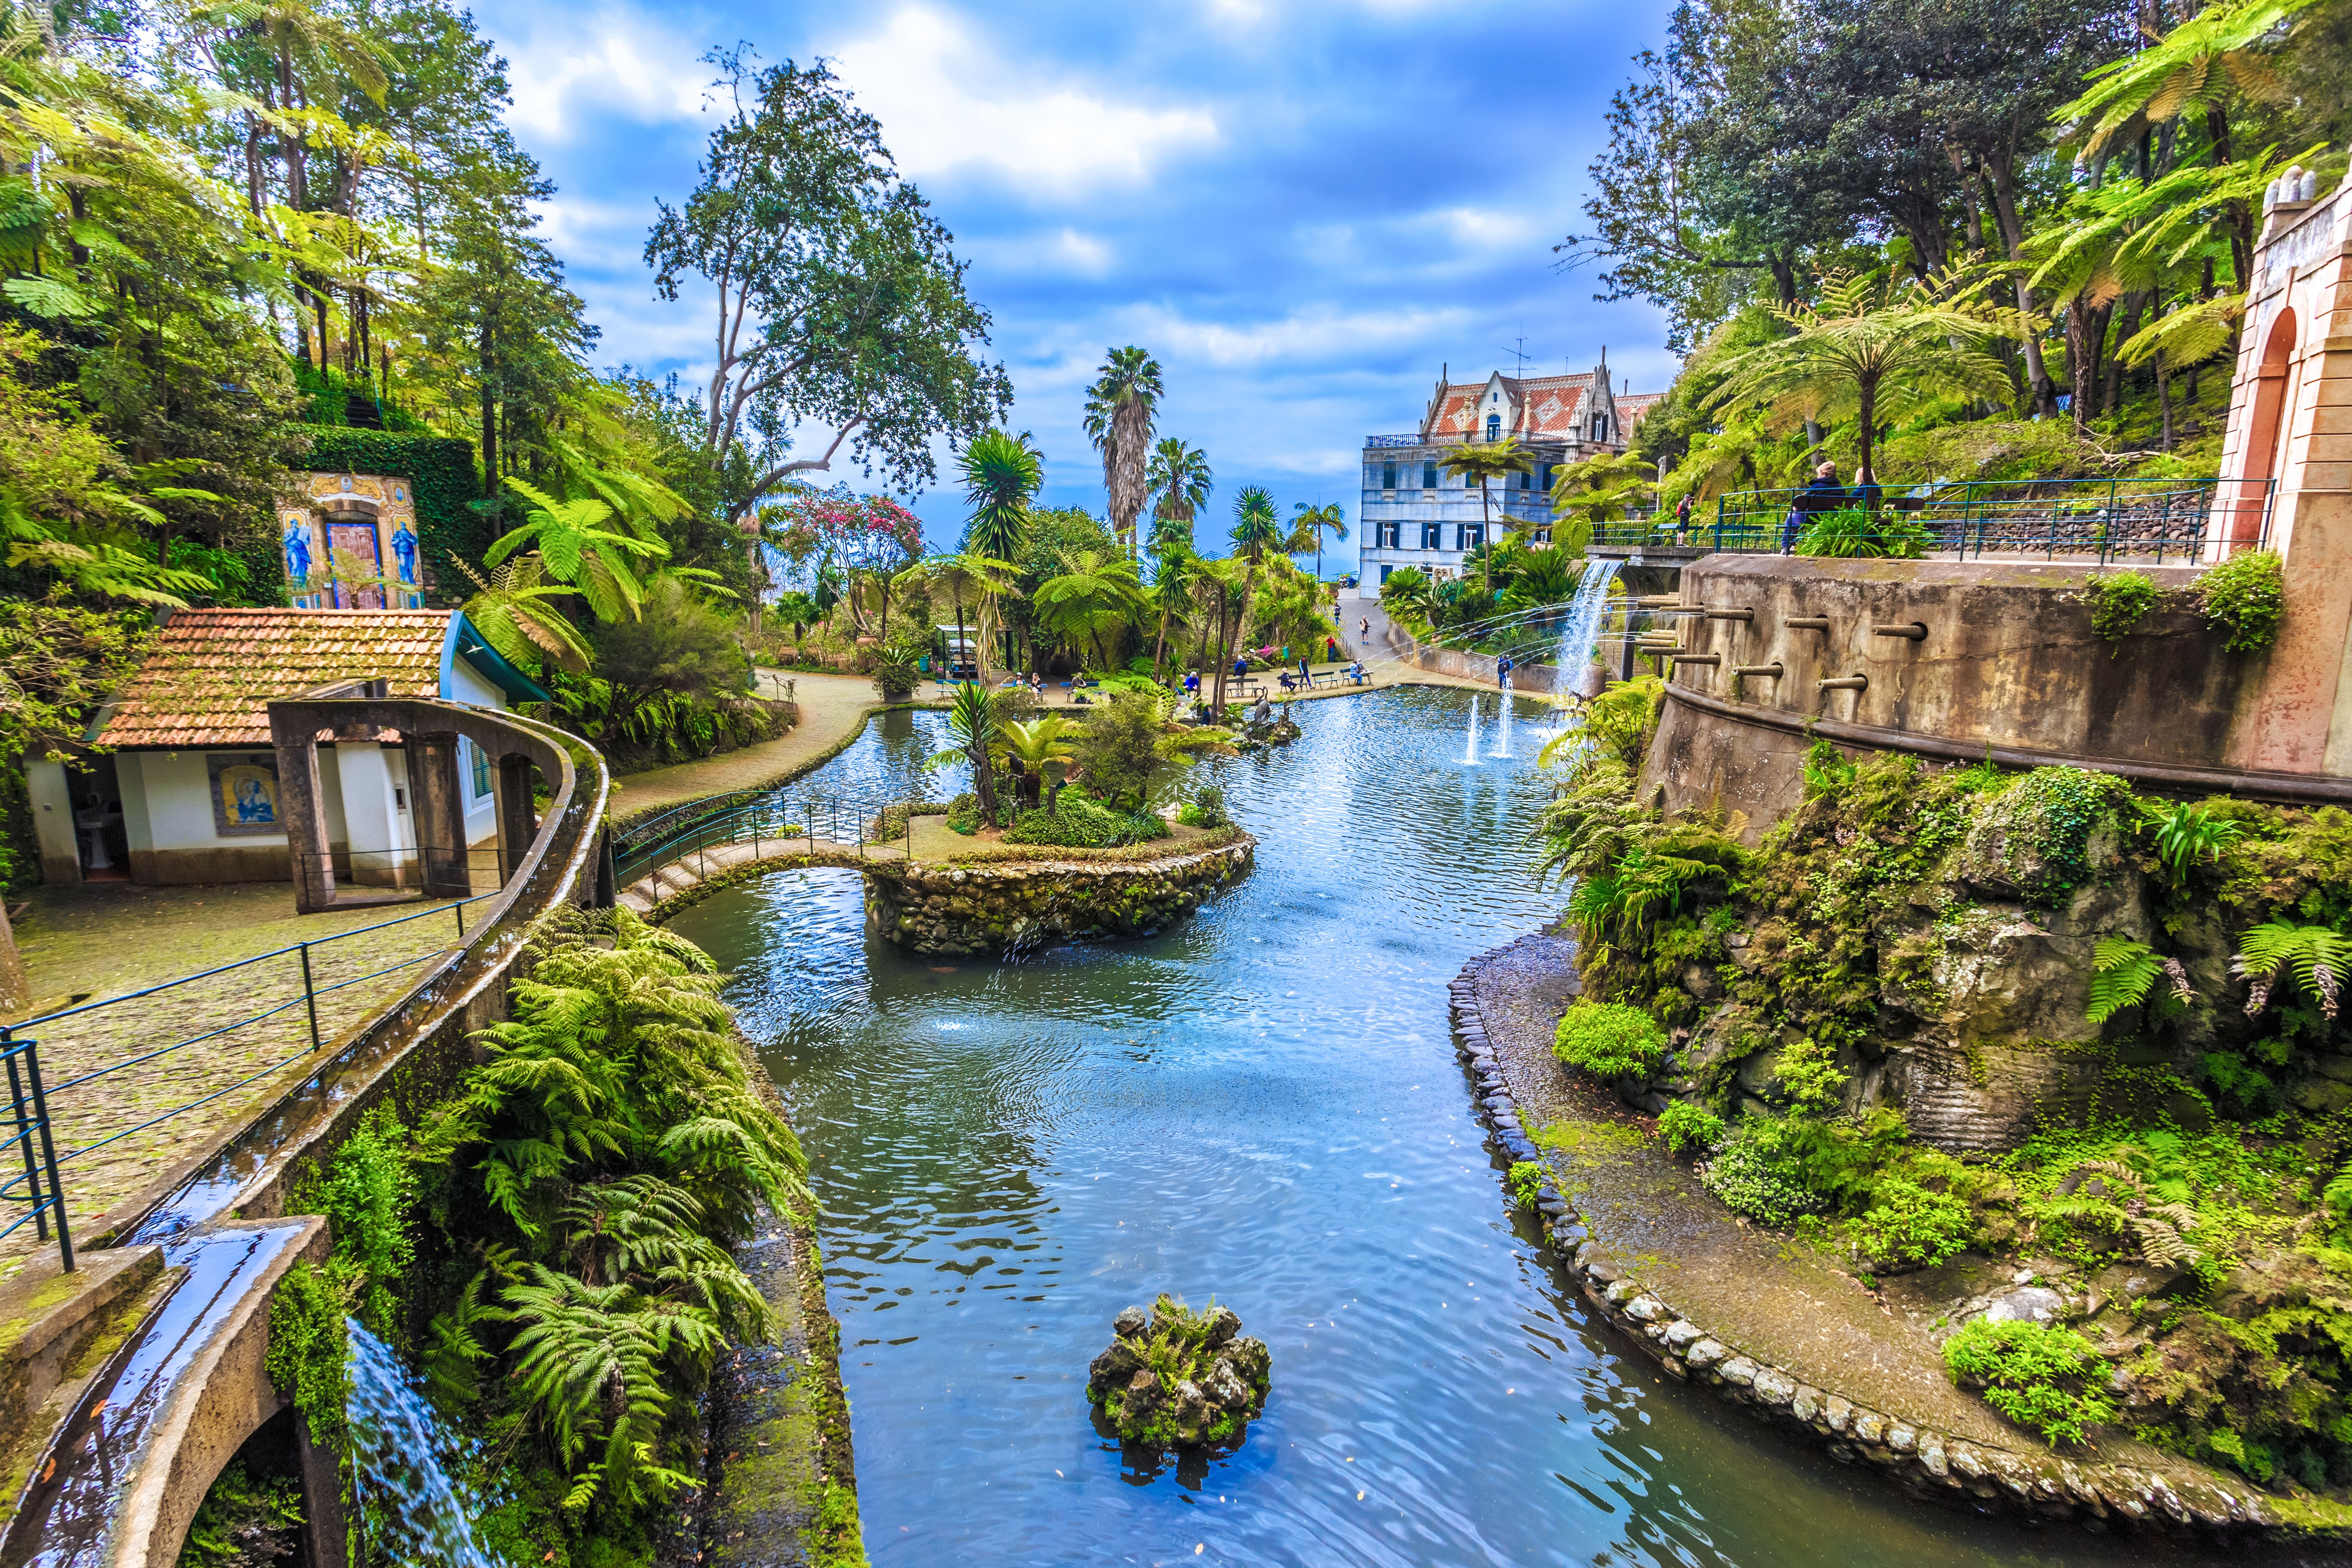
(774, 817)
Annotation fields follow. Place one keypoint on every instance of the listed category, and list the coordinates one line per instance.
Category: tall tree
(1179, 475)
(1312, 523)
(1119, 408)
(1488, 462)
(1002, 473)
(840, 303)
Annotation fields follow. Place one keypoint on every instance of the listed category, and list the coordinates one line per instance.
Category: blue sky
(1301, 209)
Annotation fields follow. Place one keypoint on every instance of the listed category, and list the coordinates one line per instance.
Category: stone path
(832, 706)
(110, 939)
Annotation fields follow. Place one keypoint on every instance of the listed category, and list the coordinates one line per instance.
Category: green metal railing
(2155, 521)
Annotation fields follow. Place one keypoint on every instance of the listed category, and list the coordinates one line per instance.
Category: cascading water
(1470, 752)
(1503, 731)
(400, 1447)
(1583, 623)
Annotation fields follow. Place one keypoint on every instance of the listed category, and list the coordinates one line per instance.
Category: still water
(1262, 1106)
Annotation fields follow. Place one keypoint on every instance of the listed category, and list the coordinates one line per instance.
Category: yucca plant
(974, 723)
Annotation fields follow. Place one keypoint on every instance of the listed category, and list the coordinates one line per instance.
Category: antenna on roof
(1519, 353)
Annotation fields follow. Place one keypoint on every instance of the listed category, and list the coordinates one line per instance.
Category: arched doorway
(2262, 449)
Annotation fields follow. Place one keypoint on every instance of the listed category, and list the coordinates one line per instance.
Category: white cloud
(1309, 335)
(1486, 228)
(947, 102)
(615, 63)
(1064, 253)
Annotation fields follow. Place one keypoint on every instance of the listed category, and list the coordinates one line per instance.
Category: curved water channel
(1262, 1105)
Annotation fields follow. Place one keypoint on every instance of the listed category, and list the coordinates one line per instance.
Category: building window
(1469, 535)
(1385, 572)
(1601, 426)
(1389, 532)
(1428, 476)
(480, 758)
(1543, 477)
(1430, 537)
(1388, 475)
(1494, 427)
(1543, 535)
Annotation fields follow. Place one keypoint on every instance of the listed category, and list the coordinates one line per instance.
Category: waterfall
(399, 1447)
(1470, 752)
(1583, 624)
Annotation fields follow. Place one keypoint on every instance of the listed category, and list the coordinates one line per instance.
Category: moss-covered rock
(1179, 1377)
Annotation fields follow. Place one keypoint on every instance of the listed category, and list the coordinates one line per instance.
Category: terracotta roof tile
(212, 671)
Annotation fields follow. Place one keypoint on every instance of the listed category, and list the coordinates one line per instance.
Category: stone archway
(2263, 425)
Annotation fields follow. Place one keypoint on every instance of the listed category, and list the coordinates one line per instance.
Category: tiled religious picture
(244, 795)
(350, 541)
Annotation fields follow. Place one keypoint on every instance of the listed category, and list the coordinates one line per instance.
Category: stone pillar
(325, 1520)
(439, 814)
(518, 824)
(2291, 421)
(300, 804)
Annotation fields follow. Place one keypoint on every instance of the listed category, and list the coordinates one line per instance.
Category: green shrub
(1826, 770)
(1756, 1173)
(1609, 1040)
(897, 671)
(1685, 1126)
(1851, 532)
(2119, 601)
(2246, 597)
(1525, 1179)
(2048, 1379)
(244, 1520)
(963, 814)
(2052, 813)
(1076, 821)
(1119, 748)
(1206, 808)
(368, 1191)
(1907, 1227)
(1808, 1069)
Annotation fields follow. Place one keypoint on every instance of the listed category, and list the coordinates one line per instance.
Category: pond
(1264, 1106)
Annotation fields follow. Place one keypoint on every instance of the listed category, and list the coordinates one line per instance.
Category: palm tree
(1176, 572)
(1035, 746)
(1872, 350)
(1408, 591)
(1597, 490)
(1485, 461)
(1257, 528)
(1002, 472)
(1089, 598)
(1179, 475)
(1313, 522)
(576, 550)
(1119, 420)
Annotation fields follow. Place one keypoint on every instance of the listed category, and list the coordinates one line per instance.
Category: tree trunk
(2013, 238)
(16, 991)
(1485, 529)
(1217, 702)
(2163, 403)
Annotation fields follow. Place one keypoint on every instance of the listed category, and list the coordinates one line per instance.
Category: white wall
(53, 823)
(167, 803)
(468, 687)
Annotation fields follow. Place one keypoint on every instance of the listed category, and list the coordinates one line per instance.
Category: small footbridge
(132, 1363)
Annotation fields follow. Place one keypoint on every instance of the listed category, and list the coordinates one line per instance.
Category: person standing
(1364, 629)
(1682, 522)
(1503, 672)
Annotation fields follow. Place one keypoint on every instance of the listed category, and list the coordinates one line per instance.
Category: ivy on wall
(441, 475)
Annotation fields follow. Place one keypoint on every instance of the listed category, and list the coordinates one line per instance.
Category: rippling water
(1264, 1106)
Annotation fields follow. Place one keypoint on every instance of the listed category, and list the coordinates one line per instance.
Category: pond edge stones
(1927, 1464)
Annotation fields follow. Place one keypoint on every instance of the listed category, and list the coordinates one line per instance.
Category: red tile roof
(211, 671)
(1546, 406)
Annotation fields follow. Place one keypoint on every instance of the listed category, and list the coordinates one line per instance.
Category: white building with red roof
(1415, 514)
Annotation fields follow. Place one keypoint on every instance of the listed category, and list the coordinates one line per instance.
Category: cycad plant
(1034, 746)
(1873, 350)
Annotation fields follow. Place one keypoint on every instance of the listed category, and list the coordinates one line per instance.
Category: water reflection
(1262, 1104)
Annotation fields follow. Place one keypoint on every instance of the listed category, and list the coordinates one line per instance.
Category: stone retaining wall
(989, 908)
(1926, 1462)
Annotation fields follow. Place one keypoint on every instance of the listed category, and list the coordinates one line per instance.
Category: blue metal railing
(31, 1098)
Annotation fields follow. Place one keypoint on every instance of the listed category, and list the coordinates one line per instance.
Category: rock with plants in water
(1177, 1376)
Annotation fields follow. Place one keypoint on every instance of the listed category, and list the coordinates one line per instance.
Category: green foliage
(1827, 771)
(58, 661)
(368, 1191)
(2246, 598)
(2313, 957)
(1119, 749)
(2119, 601)
(2048, 818)
(1608, 1040)
(1852, 533)
(640, 726)
(1205, 809)
(244, 1521)
(1808, 1071)
(2121, 971)
(1686, 1126)
(1526, 1178)
(1077, 821)
(1909, 1226)
(310, 1351)
(612, 1148)
(2045, 1378)
(681, 642)
(2188, 832)
(1175, 1349)
(897, 672)
(1751, 1175)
